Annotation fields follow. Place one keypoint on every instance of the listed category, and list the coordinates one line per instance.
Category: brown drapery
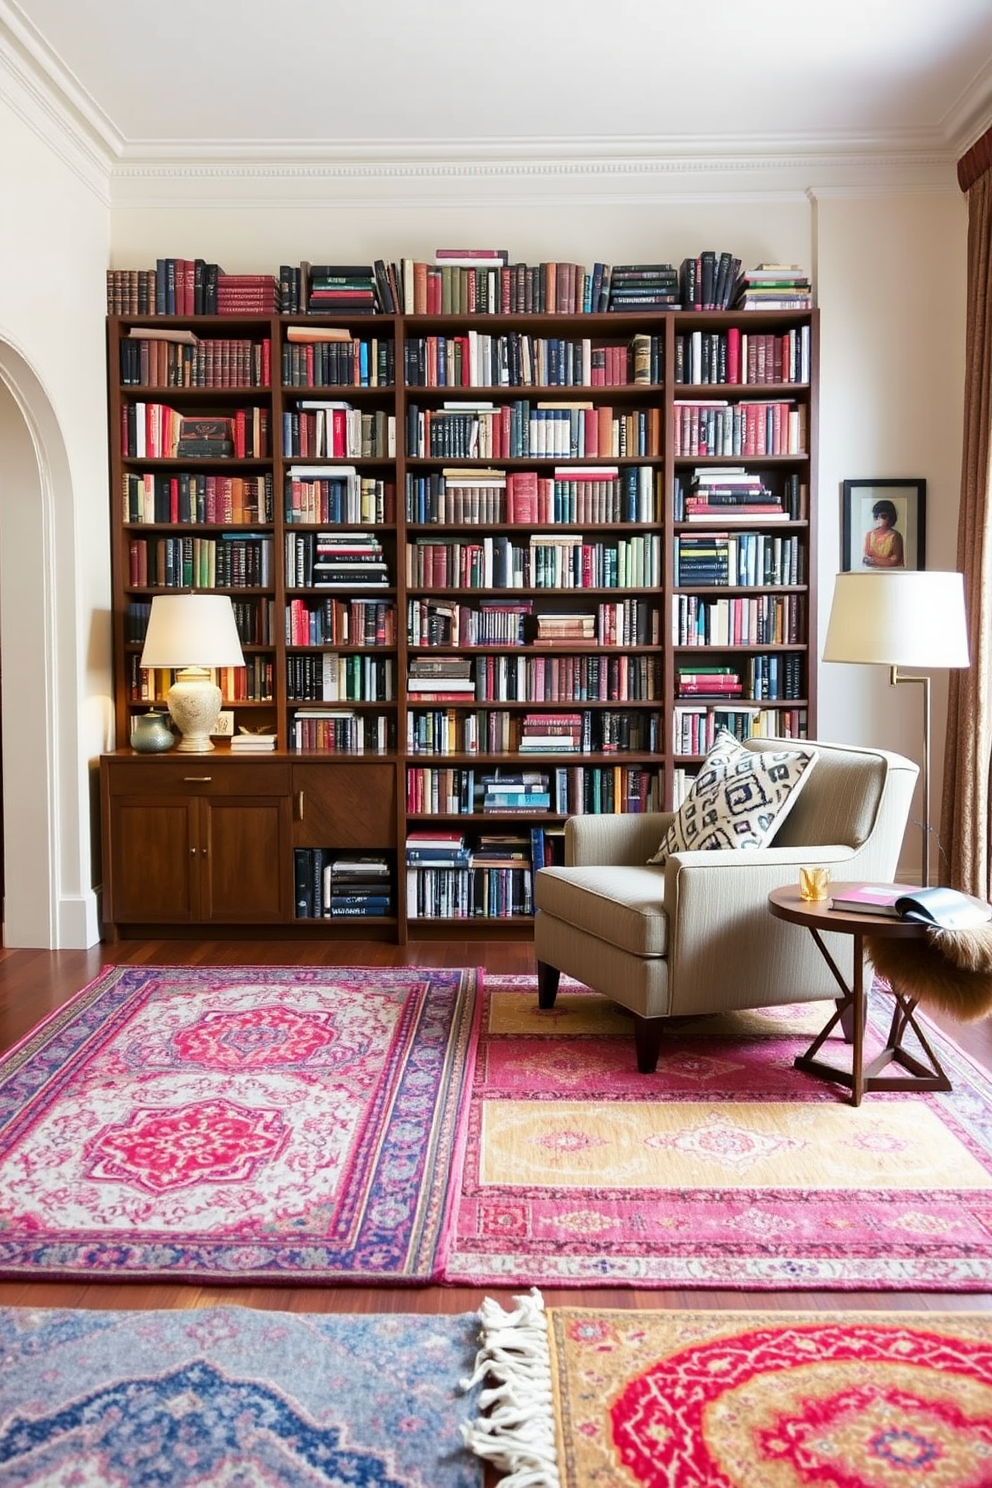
(965, 828)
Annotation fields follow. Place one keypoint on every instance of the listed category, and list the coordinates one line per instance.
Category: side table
(851, 1007)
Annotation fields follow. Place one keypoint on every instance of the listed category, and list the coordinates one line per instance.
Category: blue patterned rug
(235, 1397)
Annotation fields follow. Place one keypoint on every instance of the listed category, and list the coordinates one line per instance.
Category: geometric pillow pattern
(739, 798)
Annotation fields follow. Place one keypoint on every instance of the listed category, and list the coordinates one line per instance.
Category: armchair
(694, 935)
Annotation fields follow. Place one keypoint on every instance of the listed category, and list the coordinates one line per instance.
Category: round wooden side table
(851, 1006)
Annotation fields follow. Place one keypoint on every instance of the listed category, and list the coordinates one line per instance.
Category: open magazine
(945, 909)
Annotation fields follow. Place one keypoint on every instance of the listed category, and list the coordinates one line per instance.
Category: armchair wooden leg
(547, 984)
(647, 1041)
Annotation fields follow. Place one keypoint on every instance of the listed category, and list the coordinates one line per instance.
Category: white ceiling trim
(972, 113)
(22, 48)
(43, 112)
(612, 180)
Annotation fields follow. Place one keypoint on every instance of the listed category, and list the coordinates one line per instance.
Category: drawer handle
(299, 805)
(197, 779)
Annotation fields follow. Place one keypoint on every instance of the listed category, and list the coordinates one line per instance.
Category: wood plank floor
(34, 983)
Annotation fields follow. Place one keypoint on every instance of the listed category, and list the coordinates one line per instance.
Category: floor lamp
(896, 619)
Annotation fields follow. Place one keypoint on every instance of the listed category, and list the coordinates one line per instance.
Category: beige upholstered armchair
(695, 935)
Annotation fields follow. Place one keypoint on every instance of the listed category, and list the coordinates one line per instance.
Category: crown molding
(53, 107)
(971, 115)
(480, 173)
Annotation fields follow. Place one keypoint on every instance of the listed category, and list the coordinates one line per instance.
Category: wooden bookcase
(215, 839)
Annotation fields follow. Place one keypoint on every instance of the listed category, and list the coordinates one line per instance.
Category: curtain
(966, 834)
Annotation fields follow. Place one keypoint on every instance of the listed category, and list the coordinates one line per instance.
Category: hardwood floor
(34, 983)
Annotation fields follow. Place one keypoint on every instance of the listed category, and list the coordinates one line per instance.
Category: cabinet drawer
(197, 775)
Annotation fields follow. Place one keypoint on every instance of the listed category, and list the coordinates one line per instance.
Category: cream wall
(54, 534)
(891, 288)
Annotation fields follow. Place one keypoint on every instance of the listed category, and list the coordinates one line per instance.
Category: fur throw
(950, 969)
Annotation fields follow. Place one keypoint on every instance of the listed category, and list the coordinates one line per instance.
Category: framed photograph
(883, 525)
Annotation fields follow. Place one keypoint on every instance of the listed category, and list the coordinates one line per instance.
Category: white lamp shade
(904, 618)
(192, 630)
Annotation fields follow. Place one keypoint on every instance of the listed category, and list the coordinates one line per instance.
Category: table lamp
(193, 633)
(901, 618)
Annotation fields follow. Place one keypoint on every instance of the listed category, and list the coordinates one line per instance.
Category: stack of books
(771, 286)
(205, 438)
(358, 884)
(551, 733)
(249, 743)
(439, 679)
(708, 681)
(727, 492)
(565, 630)
(336, 289)
(644, 286)
(349, 560)
(510, 791)
(247, 294)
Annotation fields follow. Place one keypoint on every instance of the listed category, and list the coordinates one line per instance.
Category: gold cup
(814, 884)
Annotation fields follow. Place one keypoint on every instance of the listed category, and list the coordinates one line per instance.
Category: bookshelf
(583, 543)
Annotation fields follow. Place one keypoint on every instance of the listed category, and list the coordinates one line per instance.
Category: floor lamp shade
(898, 619)
(193, 633)
(906, 618)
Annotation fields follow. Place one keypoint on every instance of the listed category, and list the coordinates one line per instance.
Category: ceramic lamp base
(194, 701)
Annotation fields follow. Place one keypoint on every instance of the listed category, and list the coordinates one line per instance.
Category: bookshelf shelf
(549, 628)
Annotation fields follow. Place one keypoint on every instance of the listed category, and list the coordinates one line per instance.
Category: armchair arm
(626, 839)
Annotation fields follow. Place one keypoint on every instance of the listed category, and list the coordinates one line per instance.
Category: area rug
(294, 1124)
(604, 1399)
(726, 1168)
(230, 1396)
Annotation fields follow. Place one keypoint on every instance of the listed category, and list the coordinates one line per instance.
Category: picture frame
(870, 542)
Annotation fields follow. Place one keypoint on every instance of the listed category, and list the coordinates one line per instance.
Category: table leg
(860, 1012)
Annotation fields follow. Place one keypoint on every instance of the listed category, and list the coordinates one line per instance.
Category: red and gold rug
(736, 1400)
(726, 1168)
(296, 1124)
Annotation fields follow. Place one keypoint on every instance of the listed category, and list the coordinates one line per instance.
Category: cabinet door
(350, 805)
(153, 867)
(244, 855)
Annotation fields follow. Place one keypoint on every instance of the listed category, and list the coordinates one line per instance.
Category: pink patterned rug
(294, 1124)
(726, 1168)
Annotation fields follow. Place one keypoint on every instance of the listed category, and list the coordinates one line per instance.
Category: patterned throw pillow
(740, 798)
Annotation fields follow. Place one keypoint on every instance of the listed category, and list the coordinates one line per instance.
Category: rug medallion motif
(233, 1122)
(727, 1167)
(771, 1400)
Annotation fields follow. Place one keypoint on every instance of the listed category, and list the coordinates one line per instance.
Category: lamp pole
(895, 677)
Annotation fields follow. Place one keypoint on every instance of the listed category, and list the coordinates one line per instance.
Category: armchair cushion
(739, 798)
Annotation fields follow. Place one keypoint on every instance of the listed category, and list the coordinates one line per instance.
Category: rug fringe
(517, 1432)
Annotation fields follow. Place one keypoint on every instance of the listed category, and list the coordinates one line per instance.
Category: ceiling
(239, 78)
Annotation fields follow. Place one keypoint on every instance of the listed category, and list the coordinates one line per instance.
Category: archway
(32, 463)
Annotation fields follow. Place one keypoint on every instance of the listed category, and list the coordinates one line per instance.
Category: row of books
(460, 281)
(548, 561)
(227, 562)
(152, 430)
(535, 679)
(745, 559)
(770, 676)
(734, 493)
(595, 496)
(519, 430)
(189, 496)
(477, 359)
(338, 496)
(743, 358)
(758, 620)
(468, 730)
(331, 678)
(694, 729)
(335, 559)
(355, 621)
(166, 357)
(320, 428)
(444, 622)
